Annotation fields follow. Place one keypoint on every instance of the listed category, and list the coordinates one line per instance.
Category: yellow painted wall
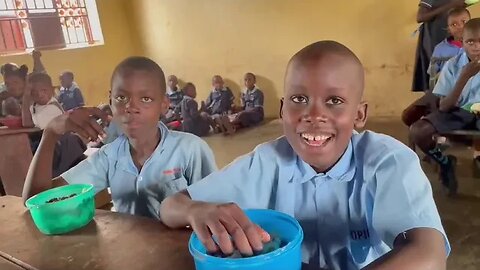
(93, 66)
(196, 39)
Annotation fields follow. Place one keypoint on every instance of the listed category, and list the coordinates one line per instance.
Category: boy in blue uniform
(141, 167)
(193, 121)
(175, 96)
(70, 94)
(218, 105)
(448, 48)
(362, 199)
(457, 88)
(251, 104)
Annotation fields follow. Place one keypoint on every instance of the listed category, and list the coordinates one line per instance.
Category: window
(26, 25)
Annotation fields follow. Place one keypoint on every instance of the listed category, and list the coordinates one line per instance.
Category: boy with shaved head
(362, 198)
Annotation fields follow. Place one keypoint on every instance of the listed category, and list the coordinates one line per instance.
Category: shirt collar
(343, 170)
(171, 91)
(125, 158)
(463, 60)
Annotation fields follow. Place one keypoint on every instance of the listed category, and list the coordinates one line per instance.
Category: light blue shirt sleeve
(201, 162)
(247, 181)
(403, 197)
(93, 170)
(446, 81)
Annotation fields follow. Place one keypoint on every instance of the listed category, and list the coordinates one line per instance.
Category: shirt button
(140, 178)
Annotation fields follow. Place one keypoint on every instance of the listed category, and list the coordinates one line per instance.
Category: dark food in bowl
(61, 198)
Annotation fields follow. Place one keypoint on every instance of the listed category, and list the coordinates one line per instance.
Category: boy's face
(172, 82)
(42, 92)
(321, 107)
(217, 82)
(15, 85)
(456, 24)
(66, 80)
(191, 92)
(249, 81)
(471, 43)
(137, 101)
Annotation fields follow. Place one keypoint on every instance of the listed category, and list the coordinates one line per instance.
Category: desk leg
(15, 157)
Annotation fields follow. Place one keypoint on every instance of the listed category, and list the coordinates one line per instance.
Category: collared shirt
(252, 99)
(443, 52)
(220, 101)
(71, 98)
(449, 76)
(351, 214)
(43, 114)
(179, 160)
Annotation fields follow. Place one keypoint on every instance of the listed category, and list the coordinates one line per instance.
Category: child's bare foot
(229, 129)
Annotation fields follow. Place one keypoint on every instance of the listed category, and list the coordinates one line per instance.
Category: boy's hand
(36, 54)
(81, 121)
(471, 69)
(226, 222)
(4, 95)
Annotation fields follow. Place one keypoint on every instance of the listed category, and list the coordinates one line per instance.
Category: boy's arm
(451, 100)
(79, 97)
(27, 120)
(421, 248)
(427, 13)
(404, 213)
(39, 176)
(37, 62)
(201, 162)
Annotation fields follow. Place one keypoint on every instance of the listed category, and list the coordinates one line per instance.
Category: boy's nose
(132, 106)
(315, 114)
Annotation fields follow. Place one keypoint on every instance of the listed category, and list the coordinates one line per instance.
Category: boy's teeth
(315, 138)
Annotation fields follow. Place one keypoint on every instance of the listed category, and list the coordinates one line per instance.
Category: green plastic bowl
(65, 215)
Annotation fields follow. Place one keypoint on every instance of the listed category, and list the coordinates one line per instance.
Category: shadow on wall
(271, 98)
(235, 87)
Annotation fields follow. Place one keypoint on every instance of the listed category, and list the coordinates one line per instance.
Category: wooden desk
(15, 157)
(112, 241)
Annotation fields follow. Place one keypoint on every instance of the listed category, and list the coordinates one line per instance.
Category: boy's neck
(251, 88)
(142, 148)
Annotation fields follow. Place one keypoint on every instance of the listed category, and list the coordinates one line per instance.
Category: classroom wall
(196, 39)
(93, 66)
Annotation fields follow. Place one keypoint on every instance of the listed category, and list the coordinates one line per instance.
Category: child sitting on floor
(70, 95)
(251, 111)
(39, 106)
(142, 166)
(362, 199)
(193, 121)
(218, 105)
(175, 96)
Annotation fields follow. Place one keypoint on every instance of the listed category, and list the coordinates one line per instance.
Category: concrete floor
(460, 215)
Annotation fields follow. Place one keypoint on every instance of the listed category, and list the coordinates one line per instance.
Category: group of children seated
(362, 198)
(448, 106)
(218, 112)
(31, 98)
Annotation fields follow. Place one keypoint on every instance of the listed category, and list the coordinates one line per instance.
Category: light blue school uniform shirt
(449, 76)
(180, 159)
(444, 51)
(351, 214)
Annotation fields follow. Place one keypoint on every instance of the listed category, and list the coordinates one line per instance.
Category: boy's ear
(165, 105)
(361, 117)
(281, 108)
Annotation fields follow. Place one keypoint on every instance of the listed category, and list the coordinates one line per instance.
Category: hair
(187, 85)
(40, 77)
(253, 75)
(458, 11)
(472, 25)
(11, 69)
(216, 76)
(140, 63)
(68, 74)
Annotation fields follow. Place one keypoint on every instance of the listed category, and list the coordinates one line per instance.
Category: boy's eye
(121, 99)
(334, 101)
(299, 99)
(146, 100)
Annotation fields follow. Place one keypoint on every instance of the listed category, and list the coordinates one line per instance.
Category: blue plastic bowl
(288, 257)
